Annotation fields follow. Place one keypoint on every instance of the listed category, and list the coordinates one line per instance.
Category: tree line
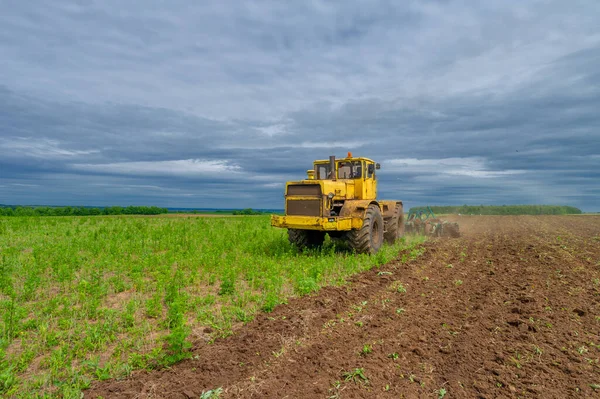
(504, 209)
(247, 211)
(80, 211)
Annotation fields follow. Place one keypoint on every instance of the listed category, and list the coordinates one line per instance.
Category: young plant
(400, 288)
(211, 394)
(366, 350)
(357, 376)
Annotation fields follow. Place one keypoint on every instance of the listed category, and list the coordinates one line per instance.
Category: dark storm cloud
(217, 104)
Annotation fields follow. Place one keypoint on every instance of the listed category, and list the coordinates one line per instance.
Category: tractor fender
(356, 208)
(389, 208)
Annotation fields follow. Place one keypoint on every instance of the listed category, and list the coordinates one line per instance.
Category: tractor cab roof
(351, 158)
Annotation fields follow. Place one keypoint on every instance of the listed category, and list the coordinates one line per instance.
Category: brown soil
(511, 309)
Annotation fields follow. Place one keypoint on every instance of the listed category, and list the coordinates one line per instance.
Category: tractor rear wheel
(394, 226)
(306, 238)
(367, 239)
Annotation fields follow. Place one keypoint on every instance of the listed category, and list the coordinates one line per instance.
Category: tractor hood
(341, 189)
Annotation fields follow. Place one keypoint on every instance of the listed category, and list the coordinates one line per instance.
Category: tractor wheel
(395, 226)
(306, 238)
(367, 239)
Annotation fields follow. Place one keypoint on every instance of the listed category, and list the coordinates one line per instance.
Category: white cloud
(40, 148)
(24, 185)
(273, 185)
(469, 166)
(273, 130)
(483, 173)
(332, 144)
(183, 167)
(352, 144)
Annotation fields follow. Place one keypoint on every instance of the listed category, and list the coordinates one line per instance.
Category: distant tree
(505, 209)
(80, 211)
(6, 211)
(247, 211)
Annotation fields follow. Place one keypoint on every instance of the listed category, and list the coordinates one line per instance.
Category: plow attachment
(424, 222)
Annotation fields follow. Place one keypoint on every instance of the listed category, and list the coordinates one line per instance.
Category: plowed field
(510, 309)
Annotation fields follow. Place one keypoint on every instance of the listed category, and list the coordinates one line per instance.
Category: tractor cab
(357, 173)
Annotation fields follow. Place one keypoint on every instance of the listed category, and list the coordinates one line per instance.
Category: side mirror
(371, 168)
(377, 166)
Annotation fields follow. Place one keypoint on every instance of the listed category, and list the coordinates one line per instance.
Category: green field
(91, 298)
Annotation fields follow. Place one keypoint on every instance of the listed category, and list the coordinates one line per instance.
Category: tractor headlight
(330, 195)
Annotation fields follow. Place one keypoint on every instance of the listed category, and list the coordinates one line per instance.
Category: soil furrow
(511, 309)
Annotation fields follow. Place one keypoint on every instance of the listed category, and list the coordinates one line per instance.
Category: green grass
(92, 298)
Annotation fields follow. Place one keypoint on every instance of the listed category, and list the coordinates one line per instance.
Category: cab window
(370, 171)
(350, 170)
(322, 171)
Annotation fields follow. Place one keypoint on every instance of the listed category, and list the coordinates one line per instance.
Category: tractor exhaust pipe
(332, 166)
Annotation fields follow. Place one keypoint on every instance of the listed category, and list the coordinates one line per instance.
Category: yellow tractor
(339, 198)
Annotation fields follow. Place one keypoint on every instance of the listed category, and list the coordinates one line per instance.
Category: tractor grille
(307, 207)
(304, 189)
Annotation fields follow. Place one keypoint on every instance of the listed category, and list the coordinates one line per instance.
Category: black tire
(367, 239)
(394, 226)
(306, 238)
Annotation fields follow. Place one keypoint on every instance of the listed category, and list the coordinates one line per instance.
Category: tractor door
(370, 184)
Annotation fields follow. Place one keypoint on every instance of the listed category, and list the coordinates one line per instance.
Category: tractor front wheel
(367, 239)
(306, 238)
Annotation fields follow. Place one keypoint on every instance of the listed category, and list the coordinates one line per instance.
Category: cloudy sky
(218, 103)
